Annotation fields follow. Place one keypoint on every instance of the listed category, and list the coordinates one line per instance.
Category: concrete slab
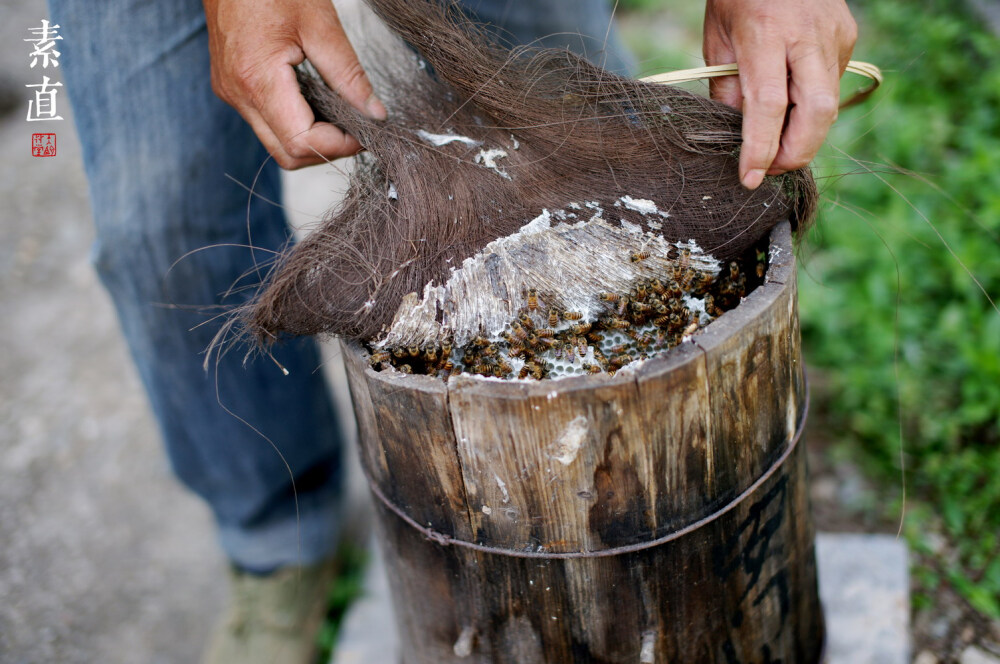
(864, 583)
(864, 586)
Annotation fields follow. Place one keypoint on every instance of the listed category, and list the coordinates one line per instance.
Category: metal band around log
(445, 540)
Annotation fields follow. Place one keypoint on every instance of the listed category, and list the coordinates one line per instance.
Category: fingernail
(753, 178)
(375, 108)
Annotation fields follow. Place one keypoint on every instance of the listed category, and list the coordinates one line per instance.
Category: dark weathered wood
(592, 464)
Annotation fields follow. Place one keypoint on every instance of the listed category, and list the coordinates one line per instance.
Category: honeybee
(618, 361)
(430, 355)
(641, 307)
(553, 317)
(685, 258)
(609, 297)
(532, 299)
(379, 357)
(618, 350)
(646, 340)
(480, 341)
(581, 346)
(398, 352)
(519, 332)
(702, 282)
(570, 353)
(616, 323)
(447, 368)
(622, 306)
(526, 321)
(687, 277)
(504, 368)
(591, 368)
(641, 291)
(572, 315)
(405, 368)
(710, 306)
(446, 349)
(581, 329)
(545, 333)
(639, 256)
(482, 368)
(595, 337)
(557, 349)
(414, 351)
(657, 286)
(545, 343)
(523, 373)
(690, 329)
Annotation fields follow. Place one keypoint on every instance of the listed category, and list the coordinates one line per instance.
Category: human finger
(326, 45)
(814, 93)
(764, 85)
(283, 121)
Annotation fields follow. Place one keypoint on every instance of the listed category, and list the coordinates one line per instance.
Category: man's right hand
(254, 47)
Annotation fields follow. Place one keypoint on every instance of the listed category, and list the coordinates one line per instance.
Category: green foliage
(346, 588)
(937, 117)
(641, 5)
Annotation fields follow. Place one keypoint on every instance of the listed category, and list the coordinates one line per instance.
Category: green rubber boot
(272, 619)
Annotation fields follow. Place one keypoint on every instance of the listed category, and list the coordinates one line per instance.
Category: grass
(906, 338)
(911, 341)
(348, 587)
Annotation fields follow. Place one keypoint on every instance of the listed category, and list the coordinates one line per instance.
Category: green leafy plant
(889, 299)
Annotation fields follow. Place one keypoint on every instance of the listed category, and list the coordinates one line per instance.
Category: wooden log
(657, 516)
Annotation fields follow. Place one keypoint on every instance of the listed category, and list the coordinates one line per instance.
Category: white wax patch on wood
(568, 444)
(569, 265)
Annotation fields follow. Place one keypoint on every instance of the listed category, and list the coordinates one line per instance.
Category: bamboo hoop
(865, 69)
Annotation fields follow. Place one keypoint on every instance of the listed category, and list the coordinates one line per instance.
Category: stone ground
(863, 584)
(103, 557)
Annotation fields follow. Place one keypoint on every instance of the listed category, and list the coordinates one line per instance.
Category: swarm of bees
(543, 342)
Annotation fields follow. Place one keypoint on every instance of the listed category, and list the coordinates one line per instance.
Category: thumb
(328, 49)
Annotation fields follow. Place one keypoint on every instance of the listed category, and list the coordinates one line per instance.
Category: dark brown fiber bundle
(572, 133)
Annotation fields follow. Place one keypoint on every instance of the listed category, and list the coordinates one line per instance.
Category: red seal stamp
(43, 145)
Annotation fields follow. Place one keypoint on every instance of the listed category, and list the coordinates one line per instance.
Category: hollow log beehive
(657, 516)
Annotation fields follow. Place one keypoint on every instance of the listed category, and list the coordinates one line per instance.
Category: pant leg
(584, 26)
(164, 158)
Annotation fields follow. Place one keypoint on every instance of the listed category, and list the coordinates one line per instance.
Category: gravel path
(103, 557)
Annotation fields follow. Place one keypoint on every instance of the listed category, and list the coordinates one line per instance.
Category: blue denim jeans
(163, 158)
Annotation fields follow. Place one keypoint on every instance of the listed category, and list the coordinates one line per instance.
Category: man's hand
(254, 45)
(791, 55)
